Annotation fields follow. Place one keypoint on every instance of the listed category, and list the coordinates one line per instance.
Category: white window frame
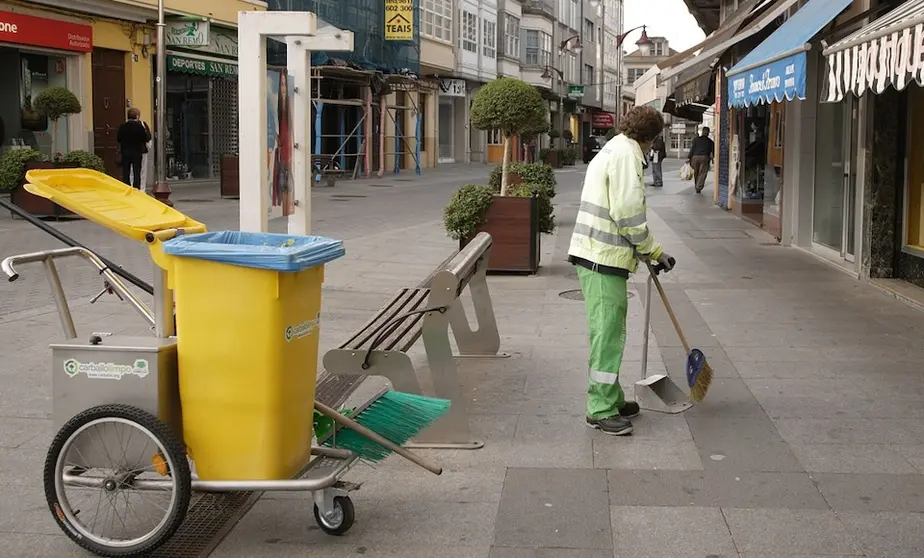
(436, 16)
(512, 35)
(587, 75)
(468, 37)
(542, 49)
(489, 38)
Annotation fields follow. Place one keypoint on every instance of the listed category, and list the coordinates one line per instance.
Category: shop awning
(775, 69)
(731, 33)
(694, 93)
(883, 53)
(201, 65)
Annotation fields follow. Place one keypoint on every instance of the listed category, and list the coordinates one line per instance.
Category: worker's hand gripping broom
(699, 373)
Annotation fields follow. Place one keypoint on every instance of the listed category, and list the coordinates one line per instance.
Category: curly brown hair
(643, 124)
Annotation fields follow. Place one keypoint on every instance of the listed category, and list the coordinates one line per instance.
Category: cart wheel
(341, 519)
(106, 452)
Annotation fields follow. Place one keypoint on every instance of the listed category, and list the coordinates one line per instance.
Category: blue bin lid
(274, 252)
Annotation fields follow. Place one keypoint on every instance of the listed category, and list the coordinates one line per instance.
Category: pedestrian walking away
(701, 152)
(610, 233)
(132, 139)
(657, 155)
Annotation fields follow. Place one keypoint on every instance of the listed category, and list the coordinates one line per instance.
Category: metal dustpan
(657, 392)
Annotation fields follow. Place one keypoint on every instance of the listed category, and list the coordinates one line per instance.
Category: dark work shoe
(614, 426)
(630, 409)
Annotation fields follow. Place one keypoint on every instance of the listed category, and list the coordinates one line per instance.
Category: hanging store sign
(399, 20)
(775, 81)
(187, 33)
(452, 87)
(211, 68)
(29, 30)
(891, 60)
(603, 120)
(575, 91)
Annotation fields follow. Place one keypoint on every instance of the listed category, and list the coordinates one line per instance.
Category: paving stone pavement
(811, 442)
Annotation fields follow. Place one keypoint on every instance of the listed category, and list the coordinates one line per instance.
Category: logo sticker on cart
(302, 330)
(106, 370)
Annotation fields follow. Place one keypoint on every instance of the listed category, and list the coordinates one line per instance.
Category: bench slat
(333, 391)
(408, 331)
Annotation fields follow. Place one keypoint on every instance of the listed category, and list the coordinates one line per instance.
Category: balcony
(540, 7)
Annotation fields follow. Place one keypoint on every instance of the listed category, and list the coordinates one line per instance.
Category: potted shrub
(52, 104)
(509, 213)
(553, 155)
(55, 103)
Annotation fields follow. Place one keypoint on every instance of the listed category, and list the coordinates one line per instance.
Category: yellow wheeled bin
(248, 312)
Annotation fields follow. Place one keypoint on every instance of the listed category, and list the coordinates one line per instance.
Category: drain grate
(208, 521)
(349, 196)
(191, 200)
(381, 186)
(576, 294)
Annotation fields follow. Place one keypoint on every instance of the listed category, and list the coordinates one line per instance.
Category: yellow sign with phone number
(399, 20)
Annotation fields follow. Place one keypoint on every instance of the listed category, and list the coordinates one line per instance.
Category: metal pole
(161, 188)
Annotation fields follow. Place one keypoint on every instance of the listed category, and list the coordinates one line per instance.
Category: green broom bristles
(396, 416)
(701, 386)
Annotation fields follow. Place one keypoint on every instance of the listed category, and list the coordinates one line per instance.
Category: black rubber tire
(177, 454)
(349, 516)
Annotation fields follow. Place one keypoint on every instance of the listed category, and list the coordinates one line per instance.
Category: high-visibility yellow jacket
(612, 223)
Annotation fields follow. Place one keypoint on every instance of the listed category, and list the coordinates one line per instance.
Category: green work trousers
(606, 304)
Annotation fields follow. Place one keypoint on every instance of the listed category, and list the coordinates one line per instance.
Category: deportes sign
(50, 33)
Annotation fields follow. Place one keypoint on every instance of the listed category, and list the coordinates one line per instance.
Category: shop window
(37, 73)
(914, 185)
(495, 137)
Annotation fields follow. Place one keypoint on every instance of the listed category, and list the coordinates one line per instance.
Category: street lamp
(572, 48)
(161, 188)
(547, 75)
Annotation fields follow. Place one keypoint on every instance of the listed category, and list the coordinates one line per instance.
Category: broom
(384, 425)
(699, 373)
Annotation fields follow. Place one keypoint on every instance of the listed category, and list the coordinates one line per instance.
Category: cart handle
(47, 257)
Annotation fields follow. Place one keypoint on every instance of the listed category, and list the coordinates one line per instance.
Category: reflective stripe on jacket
(612, 222)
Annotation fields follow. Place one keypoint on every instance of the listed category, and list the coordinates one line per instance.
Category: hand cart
(117, 406)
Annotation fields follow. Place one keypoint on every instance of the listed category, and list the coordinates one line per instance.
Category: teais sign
(50, 33)
(399, 20)
(452, 87)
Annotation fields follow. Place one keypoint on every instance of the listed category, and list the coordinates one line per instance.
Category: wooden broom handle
(378, 438)
(667, 306)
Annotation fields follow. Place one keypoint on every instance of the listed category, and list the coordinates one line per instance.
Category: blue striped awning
(775, 69)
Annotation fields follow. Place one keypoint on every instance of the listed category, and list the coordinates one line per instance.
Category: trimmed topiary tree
(511, 106)
(54, 103)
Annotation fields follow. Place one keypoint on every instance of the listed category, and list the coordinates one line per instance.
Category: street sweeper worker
(610, 233)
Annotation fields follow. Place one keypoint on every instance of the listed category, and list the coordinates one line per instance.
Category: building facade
(104, 52)
(815, 108)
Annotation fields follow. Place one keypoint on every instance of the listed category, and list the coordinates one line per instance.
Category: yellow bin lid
(108, 202)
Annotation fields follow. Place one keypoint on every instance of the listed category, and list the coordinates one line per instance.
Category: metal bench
(426, 311)
(328, 169)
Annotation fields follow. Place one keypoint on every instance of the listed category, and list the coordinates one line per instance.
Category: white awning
(886, 52)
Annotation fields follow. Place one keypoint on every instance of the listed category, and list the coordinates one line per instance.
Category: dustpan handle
(667, 306)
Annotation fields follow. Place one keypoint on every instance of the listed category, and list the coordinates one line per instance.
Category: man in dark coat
(133, 137)
(658, 153)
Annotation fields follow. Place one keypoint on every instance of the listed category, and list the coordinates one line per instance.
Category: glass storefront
(833, 213)
(187, 127)
(28, 74)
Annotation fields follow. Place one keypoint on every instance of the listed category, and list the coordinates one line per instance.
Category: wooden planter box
(553, 159)
(38, 206)
(230, 181)
(513, 224)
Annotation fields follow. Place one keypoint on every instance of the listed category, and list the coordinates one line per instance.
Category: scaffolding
(366, 114)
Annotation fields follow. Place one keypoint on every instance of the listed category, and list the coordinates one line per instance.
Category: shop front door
(108, 105)
(446, 130)
(834, 207)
